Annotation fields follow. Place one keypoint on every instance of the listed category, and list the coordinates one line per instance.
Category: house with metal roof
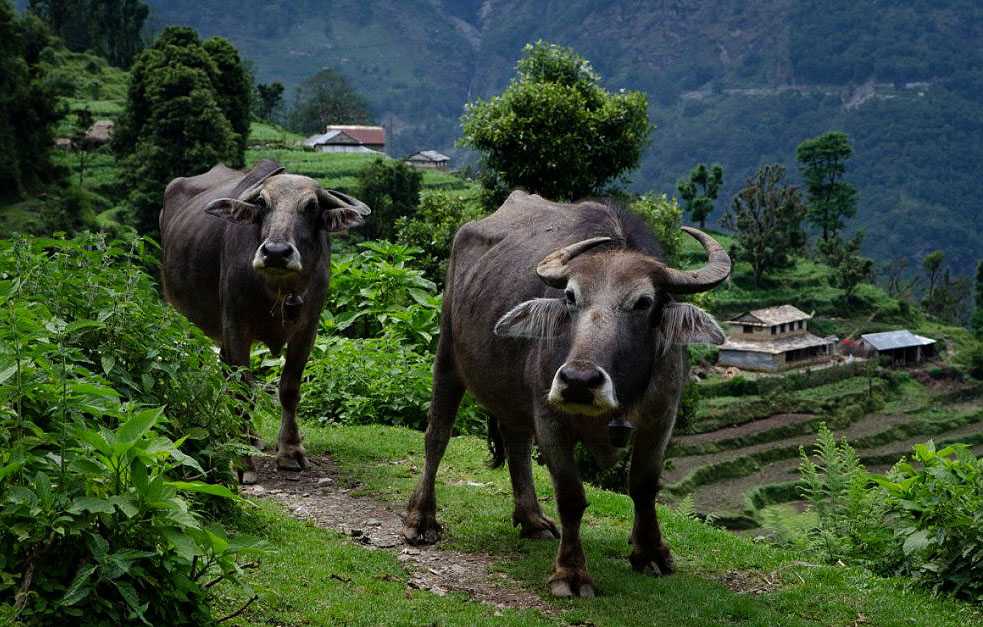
(772, 339)
(901, 347)
(349, 138)
(429, 159)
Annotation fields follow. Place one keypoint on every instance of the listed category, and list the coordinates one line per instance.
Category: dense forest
(740, 85)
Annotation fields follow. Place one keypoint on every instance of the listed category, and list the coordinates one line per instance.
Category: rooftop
(428, 155)
(777, 345)
(369, 135)
(771, 316)
(888, 340)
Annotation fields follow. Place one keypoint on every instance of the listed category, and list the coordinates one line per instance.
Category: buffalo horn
(330, 198)
(553, 268)
(716, 270)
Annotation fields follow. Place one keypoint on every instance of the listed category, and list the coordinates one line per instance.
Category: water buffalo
(245, 256)
(559, 319)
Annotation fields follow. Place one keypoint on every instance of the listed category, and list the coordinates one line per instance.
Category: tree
(977, 323)
(28, 105)
(700, 191)
(392, 189)
(850, 269)
(270, 97)
(767, 215)
(234, 90)
(173, 124)
(80, 129)
(327, 98)
(110, 28)
(554, 130)
(665, 217)
(822, 161)
(932, 264)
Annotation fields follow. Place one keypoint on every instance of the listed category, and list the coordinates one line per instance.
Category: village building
(349, 138)
(901, 347)
(772, 339)
(99, 134)
(428, 159)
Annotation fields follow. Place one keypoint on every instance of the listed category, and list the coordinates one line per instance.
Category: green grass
(478, 519)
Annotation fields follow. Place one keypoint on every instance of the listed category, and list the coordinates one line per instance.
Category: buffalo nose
(581, 376)
(276, 251)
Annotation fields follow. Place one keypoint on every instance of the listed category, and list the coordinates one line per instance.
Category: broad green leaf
(92, 389)
(7, 373)
(134, 428)
(916, 541)
(91, 504)
(78, 590)
(184, 545)
(203, 488)
(107, 361)
(186, 460)
(96, 440)
(125, 505)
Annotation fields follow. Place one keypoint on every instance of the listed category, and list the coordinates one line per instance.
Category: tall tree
(555, 130)
(767, 215)
(932, 264)
(850, 269)
(327, 98)
(234, 90)
(173, 124)
(111, 28)
(700, 190)
(270, 97)
(80, 131)
(28, 105)
(822, 161)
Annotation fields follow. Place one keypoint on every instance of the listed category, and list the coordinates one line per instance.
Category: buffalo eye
(644, 303)
(571, 298)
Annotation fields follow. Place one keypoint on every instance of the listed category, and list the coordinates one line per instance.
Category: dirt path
(320, 494)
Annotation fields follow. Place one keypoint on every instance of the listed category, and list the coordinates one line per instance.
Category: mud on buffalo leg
(527, 514)
(235, 353)
(420, 525)
(290, 452)
(569, 576)
(649, 552)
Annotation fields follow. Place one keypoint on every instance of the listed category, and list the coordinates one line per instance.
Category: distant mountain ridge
(739, 85)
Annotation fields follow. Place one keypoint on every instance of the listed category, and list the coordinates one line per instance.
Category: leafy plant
(664, 216)
(432, 228)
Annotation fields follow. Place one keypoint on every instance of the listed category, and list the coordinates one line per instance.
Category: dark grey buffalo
(245, 256)
(559, 319)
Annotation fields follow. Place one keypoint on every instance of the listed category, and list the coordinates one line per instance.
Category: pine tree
(822, 161)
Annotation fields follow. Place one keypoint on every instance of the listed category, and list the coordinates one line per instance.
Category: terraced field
(734, 470)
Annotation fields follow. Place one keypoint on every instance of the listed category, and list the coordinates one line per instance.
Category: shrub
(665, 217)
(392, 189)
(93, 523)
(432, 229)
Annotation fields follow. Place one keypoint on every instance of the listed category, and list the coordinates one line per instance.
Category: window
(748, 328)
(774, 330)
(782, 329)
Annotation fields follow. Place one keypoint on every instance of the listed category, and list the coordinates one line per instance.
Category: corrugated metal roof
(772, 316)
(428, 155)
(322, 138)
(888, 340)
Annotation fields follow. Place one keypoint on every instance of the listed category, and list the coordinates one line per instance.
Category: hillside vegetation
(736, 85)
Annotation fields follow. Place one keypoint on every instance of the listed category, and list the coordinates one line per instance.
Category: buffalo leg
(235, 354)
(420, 525)
(527, 514)
(649, 552)
(290, 452)
(569, 576)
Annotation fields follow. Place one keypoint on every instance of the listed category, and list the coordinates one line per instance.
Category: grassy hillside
(736, 84)
(475, 506)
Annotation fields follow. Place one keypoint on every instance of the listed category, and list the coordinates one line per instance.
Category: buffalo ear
(342, 219)
(539, 319)
(233, 210)
(683, 323)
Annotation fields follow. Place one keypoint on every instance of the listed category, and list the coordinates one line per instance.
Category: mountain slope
(739, 85)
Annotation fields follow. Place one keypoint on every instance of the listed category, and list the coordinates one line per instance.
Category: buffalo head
(617, 315)
(291, 213)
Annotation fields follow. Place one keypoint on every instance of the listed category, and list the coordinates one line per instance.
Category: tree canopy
(110, 28)
(822, 161)
(270, 97)
(767, 215)
(234, 86)
(392, 189)
(327, 98)
(175, 123)
(700, 190)
(554, 130)
(28, 106)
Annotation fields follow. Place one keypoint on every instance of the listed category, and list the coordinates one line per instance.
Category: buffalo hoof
(421, 529)
(536, 527)
(291, 458)
(572, 584)
(657, 561)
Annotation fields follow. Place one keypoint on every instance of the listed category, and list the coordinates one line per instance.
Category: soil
(323, 496)
(744, 430)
